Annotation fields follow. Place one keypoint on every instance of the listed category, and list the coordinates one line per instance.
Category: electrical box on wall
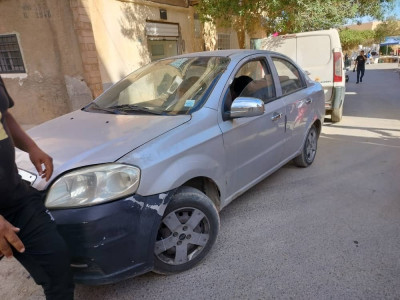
(163, 14)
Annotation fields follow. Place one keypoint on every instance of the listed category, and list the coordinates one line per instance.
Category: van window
(289, 76)
(313, 50)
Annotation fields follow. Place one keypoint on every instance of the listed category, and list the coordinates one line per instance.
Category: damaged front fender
(112, 241)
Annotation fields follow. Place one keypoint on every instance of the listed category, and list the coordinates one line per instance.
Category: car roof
(231, 53)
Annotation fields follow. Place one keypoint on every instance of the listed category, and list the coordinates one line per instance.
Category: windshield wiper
(107, 109)
(132, 107)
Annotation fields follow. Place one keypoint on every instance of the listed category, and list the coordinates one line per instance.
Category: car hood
(83, 138)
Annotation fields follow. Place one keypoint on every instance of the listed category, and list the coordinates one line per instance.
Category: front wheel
(309, 149)
(187, 232)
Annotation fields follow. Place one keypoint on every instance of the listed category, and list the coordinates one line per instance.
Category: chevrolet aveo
(141, 173)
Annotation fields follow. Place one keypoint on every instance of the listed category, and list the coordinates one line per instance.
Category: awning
(390, 41)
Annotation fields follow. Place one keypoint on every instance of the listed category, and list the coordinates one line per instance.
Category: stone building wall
(53, 82)
(87, 46)
(72, 49)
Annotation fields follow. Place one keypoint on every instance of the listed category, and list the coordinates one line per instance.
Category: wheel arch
(318, 125)
(208, 187)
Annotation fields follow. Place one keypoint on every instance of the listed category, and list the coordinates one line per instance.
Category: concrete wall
(120, 37)
(364, 26)
(72, 49)
(54, 80)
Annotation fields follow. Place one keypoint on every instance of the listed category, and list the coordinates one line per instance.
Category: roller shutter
(162, 29)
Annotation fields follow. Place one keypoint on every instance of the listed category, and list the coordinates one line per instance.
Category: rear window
(313, 50)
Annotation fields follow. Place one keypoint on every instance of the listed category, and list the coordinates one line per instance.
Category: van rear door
(285, 44)
(314, 54)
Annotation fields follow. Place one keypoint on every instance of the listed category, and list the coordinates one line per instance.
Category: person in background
(347, 62)
(369, 58)
(27, 230)
(359, 65)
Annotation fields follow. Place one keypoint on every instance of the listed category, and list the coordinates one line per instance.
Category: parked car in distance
(319, 53)
(141, 173)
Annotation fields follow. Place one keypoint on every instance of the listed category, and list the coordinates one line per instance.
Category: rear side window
(313, 50)
(289, 76)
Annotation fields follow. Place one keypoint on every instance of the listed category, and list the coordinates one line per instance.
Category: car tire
(337, 114)
(187, 231)
(309, 149)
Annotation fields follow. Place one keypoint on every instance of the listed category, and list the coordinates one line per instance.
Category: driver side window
(252, 80)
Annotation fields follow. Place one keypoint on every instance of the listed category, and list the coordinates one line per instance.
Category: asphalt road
(329, 231)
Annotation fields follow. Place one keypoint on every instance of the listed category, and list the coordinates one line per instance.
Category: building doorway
(163, 39)
(162, 48)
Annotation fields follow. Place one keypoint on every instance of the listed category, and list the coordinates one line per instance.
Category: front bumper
(112, 241)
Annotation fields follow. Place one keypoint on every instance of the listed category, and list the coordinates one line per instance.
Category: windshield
(170, 86)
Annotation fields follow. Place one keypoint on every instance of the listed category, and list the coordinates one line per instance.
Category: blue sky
(395, 13)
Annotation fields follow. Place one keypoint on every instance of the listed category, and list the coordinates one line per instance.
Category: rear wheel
(187, 232)
(309, 150)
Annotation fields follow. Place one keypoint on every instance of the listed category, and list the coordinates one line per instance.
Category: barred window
(10, 55)
(224, 41)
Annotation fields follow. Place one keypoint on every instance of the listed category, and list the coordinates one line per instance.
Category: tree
(242, 15)
(287, 16)
(390, 27)
(350, 38)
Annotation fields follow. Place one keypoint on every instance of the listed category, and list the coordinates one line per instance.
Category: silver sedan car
(141, 173)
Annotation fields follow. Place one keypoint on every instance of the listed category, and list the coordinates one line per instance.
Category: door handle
(276, 116)
(308, 101)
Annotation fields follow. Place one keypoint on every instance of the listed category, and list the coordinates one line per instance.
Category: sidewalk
(382, 66)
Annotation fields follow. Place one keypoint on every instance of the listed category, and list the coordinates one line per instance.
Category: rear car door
(297, 99)
(253, 145)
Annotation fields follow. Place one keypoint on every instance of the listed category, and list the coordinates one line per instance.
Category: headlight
(93, 185)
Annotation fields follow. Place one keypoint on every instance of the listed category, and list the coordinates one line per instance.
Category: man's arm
(25, 143)
(8, 233)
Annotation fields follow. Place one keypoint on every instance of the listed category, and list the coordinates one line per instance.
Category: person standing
(347, 62)
(27, 230)
(360, 66)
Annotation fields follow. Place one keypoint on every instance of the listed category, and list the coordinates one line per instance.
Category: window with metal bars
(224, 41)
(10, 55)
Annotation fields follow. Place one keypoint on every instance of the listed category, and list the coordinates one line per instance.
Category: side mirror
(245, 107)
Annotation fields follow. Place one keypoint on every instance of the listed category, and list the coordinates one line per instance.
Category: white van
(319, 53)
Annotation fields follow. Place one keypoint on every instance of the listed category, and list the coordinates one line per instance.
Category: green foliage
(293, 16)
(288, 16)
(390, 27)
(242, 15)
(350, 38)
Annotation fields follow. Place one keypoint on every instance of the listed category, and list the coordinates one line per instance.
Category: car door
(297, 100)
(253, 145)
